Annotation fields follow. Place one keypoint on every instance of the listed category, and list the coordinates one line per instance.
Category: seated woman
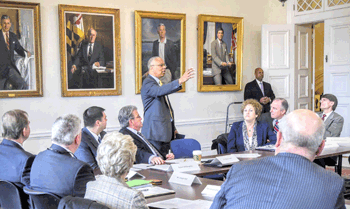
(249, 134)
(115, 157)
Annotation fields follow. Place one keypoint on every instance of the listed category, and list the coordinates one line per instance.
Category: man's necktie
(276, 128)
(90, 51)
(8, 40)
(262, 88)
(99, 139)
(323, 116)
(167, 100)
(154, 150)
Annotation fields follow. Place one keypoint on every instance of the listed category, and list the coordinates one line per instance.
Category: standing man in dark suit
(279, 108)
(165, 49)
(14, 160)
(159, 127)
(221, 61)
(90, 56)
(95, 121)
(56, 170)
(131, 123)
(259, 90)
(333, 122)
(296, 182)
(8, 45)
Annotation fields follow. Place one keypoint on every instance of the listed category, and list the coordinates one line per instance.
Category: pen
(169, 151)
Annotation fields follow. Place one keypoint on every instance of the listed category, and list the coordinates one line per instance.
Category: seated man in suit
(89, 56)
(131, 123)
(333, 122)
(95, 121)
(279, 108)
(56, 170)
(296, 181)
(259, 90)
(14, 160)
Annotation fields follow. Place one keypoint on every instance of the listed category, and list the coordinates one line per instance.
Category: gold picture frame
(146, 44)
(25, 39)
(208, 67)
(84, 72)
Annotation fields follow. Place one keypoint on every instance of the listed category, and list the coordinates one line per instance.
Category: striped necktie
(323, 116)
(152, 148)
(8, 40)
(276, 128)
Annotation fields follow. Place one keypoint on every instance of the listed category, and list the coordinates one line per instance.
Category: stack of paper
(155, 191)
(181, 203)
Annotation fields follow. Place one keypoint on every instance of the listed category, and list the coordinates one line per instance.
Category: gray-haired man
(56, 170)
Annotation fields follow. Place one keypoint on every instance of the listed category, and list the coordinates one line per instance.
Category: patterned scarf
(246, 138)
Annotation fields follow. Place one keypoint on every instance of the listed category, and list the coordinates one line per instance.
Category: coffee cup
(197, 155)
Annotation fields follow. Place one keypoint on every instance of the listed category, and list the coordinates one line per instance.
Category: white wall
(198, 115)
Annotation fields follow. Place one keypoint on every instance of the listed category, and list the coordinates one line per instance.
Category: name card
(185, 167)
(133, 175)
(184, 179)
(165, 167)
(224, 160)
(211, 190)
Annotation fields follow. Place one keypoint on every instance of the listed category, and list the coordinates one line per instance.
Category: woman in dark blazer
(249, 133)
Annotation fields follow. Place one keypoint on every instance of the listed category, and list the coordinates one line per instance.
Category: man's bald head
(259, 73)
(302, 129)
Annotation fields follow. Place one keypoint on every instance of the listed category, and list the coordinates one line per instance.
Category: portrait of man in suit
(90, 51)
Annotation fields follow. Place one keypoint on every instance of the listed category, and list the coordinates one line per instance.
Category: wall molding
(193, 122)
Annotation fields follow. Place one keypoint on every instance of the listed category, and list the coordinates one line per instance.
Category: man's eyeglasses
(161, 65)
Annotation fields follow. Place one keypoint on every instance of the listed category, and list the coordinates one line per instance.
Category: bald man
(296, 182)
(259, 90)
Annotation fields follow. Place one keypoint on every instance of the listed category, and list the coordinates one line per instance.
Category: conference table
(206, 170)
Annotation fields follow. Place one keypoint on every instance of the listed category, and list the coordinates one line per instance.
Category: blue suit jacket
(56, 171)
(283, 181)
(87, 150)
(157, 119)
(235, 141)
(15, 163)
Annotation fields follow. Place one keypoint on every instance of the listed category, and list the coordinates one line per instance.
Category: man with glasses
(159, 126)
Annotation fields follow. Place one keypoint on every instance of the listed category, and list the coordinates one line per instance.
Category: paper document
(181, 160)
(155, 191)
(181, 204)
(142, 166)
(269, 147)
(341, 141)
(221, 161)
(165, 167)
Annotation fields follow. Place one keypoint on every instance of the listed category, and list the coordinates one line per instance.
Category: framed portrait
(90, 51)
(164, 35)
(20, 50)
(220, 41)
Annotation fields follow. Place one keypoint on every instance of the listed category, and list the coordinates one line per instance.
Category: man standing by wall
(159, 127)
(259, 90)
(220, 59)
(8, 45)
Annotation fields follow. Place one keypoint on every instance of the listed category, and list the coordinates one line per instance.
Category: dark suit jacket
(235, 141)
(15, 163)
(87, 150)
(283, 181)
(266, 118)
(253, 91)
(157, 124)
(143, 151)
(169, 55)
(56, 171)
(7, 56)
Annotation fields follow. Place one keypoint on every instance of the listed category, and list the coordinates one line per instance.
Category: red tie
(8, 40)
(323, 116)
(276, 128)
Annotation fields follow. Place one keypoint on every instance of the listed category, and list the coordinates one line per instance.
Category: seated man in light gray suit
(333, 122)
(296, 182)
(220, 59)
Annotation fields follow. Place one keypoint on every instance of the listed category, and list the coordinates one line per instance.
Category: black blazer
(143, 151)
(15, 163)
(266, 118)
(169, 55)
(56, 171)
(7, 56)
(253, 91)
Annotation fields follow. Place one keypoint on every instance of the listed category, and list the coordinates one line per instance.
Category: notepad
(137, 182)
(155, 191)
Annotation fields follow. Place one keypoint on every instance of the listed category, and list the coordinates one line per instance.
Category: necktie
(275, 128)
(8, 40)
(167, 100)
(153, 149)
(99, 139)
(90, 51)
(323, 116)
(262, 88)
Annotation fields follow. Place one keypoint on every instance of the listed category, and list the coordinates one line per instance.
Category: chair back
(221, 149)
(42, 200)
(9, 196)
(183, 148)
(70, 202)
